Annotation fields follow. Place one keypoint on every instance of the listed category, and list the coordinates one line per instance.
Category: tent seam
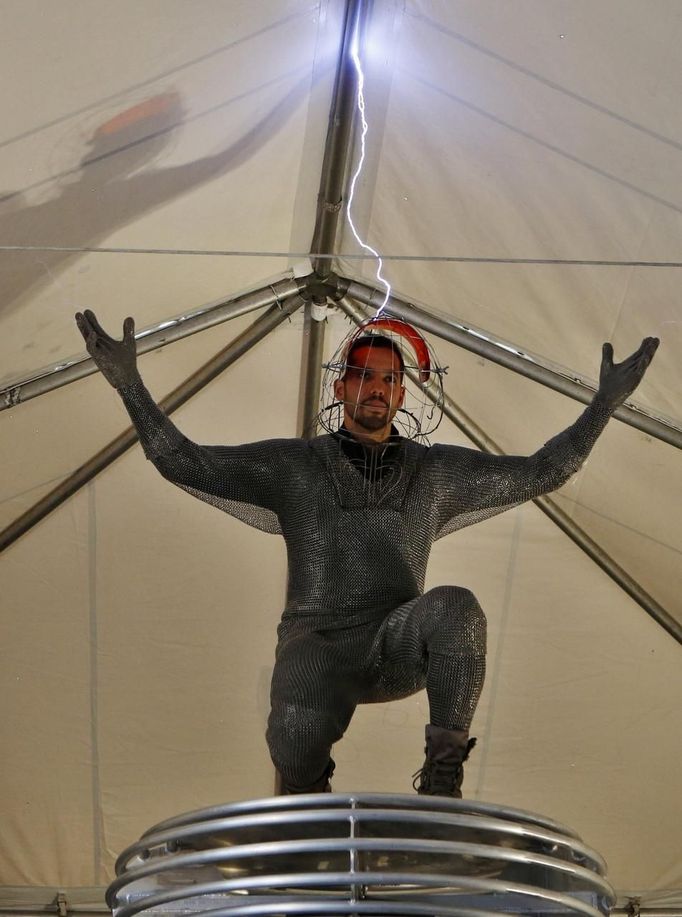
(97, 823)
(504, 622)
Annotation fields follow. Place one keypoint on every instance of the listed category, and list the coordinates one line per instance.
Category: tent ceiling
(139, 624)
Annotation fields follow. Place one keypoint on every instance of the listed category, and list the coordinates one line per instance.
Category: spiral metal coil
(359, 854)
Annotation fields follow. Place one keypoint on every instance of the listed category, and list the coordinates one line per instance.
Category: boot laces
(441, 776)
(438, 776)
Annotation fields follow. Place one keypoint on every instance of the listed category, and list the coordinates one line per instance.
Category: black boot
(321, 785)
(446, 751)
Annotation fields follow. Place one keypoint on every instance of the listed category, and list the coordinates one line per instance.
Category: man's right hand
(617, 381)
(117, 360)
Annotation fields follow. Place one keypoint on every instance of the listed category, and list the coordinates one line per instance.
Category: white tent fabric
(139, 624)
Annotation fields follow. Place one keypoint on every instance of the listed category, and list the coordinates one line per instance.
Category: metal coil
(359, 854)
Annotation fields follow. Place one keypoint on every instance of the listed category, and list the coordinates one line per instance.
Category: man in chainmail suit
(359, 510)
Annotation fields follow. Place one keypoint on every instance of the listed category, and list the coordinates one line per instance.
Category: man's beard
(370, 420)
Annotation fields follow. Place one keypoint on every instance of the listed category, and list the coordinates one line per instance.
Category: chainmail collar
(374, 461)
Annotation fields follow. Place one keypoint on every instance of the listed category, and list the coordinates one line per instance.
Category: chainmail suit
(359, 523)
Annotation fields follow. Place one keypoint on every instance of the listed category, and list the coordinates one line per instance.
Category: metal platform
(360, 854)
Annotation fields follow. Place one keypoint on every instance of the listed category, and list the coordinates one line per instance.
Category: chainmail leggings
(436, 641)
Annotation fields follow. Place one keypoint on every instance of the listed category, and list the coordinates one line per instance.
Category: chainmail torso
(358, 522)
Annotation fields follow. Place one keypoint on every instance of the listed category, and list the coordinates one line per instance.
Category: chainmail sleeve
(474, 485)
(244, 481)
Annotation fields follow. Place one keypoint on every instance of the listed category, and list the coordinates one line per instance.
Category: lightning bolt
(355, 56)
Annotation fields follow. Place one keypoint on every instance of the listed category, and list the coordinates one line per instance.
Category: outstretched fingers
(643, 354)
(96, 336)
(641, 358)
(87, 324)
(607, 356)
(95, 325)
(116, 359)
(617, 381)
(129, 329)
(647, 350)
(82, 324)
(88, 332)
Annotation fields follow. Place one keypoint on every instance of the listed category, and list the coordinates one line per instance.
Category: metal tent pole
(338, 142)
(507, 356)
(567, 525)
(97, 463)
(312, 372)
(151, 338)
(337, 152)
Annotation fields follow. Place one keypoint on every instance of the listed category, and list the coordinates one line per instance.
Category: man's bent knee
(455, 621)
(300, 742)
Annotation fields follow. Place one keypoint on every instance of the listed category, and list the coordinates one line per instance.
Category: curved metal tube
(165, 332)
(317, 880)
(225, 855)
(339, 800)
(211, 829)
(348, 907)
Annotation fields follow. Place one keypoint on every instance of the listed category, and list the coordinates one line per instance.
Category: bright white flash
(355, 55)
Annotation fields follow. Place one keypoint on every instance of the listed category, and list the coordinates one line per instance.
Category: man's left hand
(617, 381)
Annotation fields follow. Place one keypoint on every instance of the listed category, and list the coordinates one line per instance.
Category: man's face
(371, 390)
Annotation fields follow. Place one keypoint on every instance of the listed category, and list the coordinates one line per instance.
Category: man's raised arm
(246, 474)
(476, 482)
(617, 381)
(117, 361)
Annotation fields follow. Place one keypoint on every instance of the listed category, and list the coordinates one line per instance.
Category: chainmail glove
(116, 360)
(617, 381)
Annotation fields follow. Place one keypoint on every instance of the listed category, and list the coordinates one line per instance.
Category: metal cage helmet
(422, 408)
